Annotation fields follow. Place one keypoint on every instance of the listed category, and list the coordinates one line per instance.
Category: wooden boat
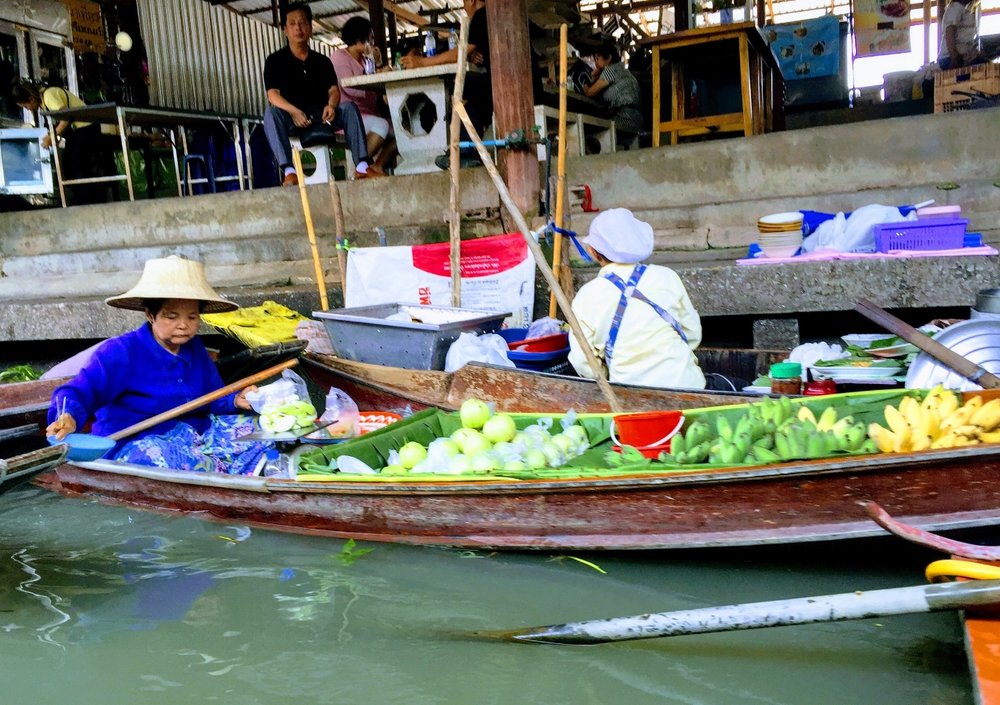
(383, 388)
(816, 500)
(23, 453)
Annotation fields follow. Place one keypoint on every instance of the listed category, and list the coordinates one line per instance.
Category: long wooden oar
(313, 246)
(962, 365)
(543, 265)
(558, 265)
(757, 615)
(202, 400)
(338, 224)
(454, 164)
(929, 540)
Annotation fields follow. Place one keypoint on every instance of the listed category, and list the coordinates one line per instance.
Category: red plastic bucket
(648, 432)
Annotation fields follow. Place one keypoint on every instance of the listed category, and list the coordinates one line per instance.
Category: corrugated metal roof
(330, 15)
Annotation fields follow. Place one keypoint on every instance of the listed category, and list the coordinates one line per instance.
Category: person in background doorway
(617, 88)
(303, 94)
(960, 36)
(478, 92)
(79, 158)
(349, 61)
(636, 317)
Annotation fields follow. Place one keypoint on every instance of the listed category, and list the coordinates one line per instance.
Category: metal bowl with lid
(988, 300)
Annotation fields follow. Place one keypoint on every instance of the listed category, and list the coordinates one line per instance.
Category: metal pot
(988, 300)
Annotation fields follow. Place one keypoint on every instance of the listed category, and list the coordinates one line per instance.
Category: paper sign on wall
(881, 27)
(498, 274)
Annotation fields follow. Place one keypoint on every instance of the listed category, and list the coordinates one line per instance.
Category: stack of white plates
(780, 234)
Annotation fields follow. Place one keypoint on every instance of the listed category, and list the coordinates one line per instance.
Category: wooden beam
(397, 11)
(510, 66)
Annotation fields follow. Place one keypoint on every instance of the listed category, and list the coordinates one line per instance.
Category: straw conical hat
(172, 278)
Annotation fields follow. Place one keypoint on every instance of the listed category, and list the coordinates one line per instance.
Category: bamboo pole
(317, 265)
(338, 223)
(203, 399)
(557, 255)
(454, 164)
(543, 265)
(757, 615)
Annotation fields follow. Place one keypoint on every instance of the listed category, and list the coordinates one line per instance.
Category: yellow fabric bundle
(266, 324)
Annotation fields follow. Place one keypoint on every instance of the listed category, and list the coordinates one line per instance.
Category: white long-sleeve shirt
(648, 350)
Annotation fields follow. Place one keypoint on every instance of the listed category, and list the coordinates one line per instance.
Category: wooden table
(126, 117)
(403, 89)
(761, 84)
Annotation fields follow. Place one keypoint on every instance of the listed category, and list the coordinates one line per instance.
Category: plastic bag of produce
(489, 348)
(343, 412)
(289, 389)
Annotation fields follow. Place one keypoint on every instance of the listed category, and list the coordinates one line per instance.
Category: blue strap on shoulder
(573, 238)
(629, 290)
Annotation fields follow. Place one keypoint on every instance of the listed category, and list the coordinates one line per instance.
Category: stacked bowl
(780, 234)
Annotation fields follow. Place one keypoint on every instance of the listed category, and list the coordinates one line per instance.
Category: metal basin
(988, 300)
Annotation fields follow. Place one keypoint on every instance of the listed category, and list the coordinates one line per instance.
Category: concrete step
(71, 286)
(222, 252)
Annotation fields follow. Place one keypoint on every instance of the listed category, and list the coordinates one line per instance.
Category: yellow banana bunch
(939, 421)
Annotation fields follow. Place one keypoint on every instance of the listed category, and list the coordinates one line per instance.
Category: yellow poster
(88, 26)
(881, 27)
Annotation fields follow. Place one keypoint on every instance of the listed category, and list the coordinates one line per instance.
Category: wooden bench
(580, 128)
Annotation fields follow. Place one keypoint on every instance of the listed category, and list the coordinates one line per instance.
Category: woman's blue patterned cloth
(215, 450)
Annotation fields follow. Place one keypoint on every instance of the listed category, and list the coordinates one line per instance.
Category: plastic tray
(923, 234)
(365, 334)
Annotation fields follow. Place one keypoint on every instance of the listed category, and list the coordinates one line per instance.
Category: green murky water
(104, 605)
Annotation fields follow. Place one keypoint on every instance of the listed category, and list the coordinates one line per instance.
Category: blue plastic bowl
(539, 360)
(85, 446)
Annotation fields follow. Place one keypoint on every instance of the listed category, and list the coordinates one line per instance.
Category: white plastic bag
(290, 388)
(489, 348)
(855, 233)
(544, 326)
(342, 412)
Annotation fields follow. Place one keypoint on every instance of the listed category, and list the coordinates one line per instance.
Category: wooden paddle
(543, 266)
(962, 365)
(756, 615)
(313, 246)
(202, 400)
(926, 539)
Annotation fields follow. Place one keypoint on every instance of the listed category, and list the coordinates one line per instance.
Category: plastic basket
(924, 234)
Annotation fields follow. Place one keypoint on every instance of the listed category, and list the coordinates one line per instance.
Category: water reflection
(105, 603)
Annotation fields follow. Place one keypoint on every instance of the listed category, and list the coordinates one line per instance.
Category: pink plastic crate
(923, 234)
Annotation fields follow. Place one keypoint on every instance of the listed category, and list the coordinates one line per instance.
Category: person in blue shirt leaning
(157, 367)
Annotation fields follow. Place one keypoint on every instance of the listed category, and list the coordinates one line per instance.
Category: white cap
(620, 236)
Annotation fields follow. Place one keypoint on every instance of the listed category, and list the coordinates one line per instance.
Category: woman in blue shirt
(157, 367)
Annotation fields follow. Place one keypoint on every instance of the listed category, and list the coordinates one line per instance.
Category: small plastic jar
(820, 387)
(786, 378)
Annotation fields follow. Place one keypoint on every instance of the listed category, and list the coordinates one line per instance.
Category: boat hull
(378, 387)
(789, 503)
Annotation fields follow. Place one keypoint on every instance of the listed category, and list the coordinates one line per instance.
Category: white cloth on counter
(808, 354)
(854, 233)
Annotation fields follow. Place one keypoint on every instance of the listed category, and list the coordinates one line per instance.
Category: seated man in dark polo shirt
(302, 91)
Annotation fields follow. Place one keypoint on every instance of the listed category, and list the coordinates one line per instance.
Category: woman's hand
(46, 141)
(61, 427)
(411, 62)
(241, 399)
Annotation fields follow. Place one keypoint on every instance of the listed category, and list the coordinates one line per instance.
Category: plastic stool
(206, 163)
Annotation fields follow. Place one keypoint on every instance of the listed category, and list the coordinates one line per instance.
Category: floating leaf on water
(348, 554)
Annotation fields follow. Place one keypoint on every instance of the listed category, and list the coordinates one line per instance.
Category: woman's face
(176, 323)
(31, 105)
(600, 62)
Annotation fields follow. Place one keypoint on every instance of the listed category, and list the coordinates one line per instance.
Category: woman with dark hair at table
(81, 138)
(618, 88)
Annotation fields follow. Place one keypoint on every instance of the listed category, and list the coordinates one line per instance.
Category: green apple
(411, 453)
(554, 457)
(534, 459)
(500, 428)
(474, 413)
(578, 434)
(448, 447)
(392, 470)
(563, 442)
(474, 443)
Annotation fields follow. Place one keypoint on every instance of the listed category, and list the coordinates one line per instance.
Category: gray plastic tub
(364, 334)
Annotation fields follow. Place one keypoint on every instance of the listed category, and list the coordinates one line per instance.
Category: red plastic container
(648, 432)
(544, 343)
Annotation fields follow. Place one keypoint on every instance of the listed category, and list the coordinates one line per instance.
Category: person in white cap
(636, 317)
(157, 367)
